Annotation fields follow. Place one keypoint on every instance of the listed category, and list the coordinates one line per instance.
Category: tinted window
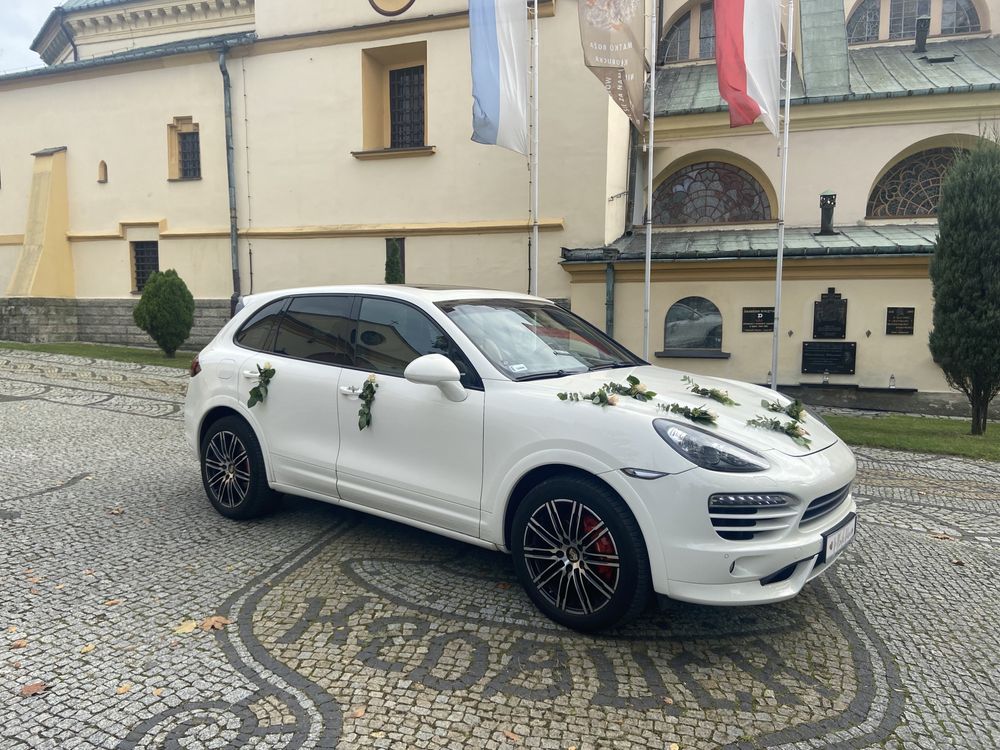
(317, 328)
(392, 334)
(255, 332)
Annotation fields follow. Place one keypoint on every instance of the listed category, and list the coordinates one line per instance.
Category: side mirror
(437, 369)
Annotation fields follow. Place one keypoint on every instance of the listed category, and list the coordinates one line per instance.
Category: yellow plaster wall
(103, 269)
(274, 20)
(878, 356)
(8, 260)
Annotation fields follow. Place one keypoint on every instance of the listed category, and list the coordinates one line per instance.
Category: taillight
(195, 366)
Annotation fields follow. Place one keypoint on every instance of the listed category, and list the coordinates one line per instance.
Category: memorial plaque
(758, 319)
(899, 321)
(836, 358)
(830, 316)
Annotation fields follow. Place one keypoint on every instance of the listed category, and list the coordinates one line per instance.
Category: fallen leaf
(515, 738)
(12, 629)
(957, 562)
(215, 622)
(503, 585)
(19, 644)
(36, 592)
(943, 537)
(158, 692)
(174, 644)
(87, 649)
(88, 572)
(669, 701)
(377, 735)
(358, 713)
(674, 746)
(112, 602)
(185, 627)
(34, 579)
(124, 688)
(33, 688)
(116, 511)
(60, 586)
(14, 664)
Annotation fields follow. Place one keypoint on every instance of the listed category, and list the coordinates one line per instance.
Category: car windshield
(531, 340)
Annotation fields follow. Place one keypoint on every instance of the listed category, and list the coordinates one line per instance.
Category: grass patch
(135, 355)
(920, 434)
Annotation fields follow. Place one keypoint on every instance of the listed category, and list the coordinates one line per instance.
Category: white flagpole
(650, 138)
(789, 49)
(533, 260)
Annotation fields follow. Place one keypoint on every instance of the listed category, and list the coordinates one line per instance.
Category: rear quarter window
(256, 332)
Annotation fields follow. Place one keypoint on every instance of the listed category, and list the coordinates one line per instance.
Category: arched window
(710, 192)
(693, 323)
(912, 187)
(864, 21)
(102, 172)
(692, 36)
(863, 25)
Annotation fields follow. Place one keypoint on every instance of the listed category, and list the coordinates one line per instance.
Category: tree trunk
(980, 410)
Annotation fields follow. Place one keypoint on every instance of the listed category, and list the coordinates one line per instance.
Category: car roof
(411, 293)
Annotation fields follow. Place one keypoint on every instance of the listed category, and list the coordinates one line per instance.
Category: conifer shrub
(394, 263)
(166, 311)
(965, 274)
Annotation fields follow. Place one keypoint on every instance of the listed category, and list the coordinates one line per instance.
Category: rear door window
(256, 332)
(318, 328)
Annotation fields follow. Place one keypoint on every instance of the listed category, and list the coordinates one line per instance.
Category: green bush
(166, 311)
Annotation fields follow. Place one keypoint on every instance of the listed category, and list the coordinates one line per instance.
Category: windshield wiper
(608, 366)
(545, 375)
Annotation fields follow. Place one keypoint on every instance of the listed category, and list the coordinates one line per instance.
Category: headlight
(707, 450)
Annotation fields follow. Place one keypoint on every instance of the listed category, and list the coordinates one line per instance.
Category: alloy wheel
(227, 469)
(571, 556)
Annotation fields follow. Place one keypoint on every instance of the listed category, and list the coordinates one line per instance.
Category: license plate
(835, 541)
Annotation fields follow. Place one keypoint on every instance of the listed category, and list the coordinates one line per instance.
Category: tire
(563, 531)
(232, 470)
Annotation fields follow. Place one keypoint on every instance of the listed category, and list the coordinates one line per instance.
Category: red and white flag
(748, 56)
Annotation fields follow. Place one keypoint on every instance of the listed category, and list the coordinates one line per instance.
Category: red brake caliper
(602, 546)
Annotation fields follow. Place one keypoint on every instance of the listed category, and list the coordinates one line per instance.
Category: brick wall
(98, 321)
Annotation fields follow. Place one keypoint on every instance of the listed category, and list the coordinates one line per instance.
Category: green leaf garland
(713, 393)
(259, 392)
(367, 397)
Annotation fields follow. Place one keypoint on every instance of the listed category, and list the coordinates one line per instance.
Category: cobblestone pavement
(349, 631)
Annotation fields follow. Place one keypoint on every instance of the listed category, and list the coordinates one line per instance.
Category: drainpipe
(610, 256)
(69, 36)
(234, 238)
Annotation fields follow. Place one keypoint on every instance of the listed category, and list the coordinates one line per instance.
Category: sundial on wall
(391, 7)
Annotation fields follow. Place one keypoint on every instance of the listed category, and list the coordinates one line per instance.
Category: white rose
(267, 365)
(371, 378)
(613, 400)
(641, 388)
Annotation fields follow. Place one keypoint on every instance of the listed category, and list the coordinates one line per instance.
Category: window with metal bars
(146, 261)
(406, 107)
(189, 148)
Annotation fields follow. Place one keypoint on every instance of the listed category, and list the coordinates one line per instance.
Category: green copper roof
(800, 242)
(878, 72)
(84, 4)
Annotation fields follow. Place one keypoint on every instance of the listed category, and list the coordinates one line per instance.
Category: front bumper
(700, 566)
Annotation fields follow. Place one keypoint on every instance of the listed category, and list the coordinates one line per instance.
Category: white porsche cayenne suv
(506, 421)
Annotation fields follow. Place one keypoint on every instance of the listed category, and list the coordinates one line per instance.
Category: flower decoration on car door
(367, 397)
(259, 392)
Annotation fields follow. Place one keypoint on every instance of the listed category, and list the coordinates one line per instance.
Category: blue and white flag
(501, 50)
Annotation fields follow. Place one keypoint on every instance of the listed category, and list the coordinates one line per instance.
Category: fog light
(751, 500)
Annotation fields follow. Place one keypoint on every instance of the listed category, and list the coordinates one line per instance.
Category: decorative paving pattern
(353, 632)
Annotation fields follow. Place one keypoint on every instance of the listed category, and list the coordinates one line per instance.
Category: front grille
(824, 506)
(742, 517)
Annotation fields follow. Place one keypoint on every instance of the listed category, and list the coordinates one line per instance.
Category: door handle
(351, 391)
(251, 374)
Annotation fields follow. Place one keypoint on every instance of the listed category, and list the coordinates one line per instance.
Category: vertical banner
(501, 49)
(613, 32)
(748, 55)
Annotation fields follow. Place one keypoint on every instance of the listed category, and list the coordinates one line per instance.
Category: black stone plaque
(758, 319)
(830, 316)
(899, 321)
(834, 357)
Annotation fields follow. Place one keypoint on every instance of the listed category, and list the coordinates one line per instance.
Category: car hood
(670, 388)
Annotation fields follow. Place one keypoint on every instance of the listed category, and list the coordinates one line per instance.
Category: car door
(299, 418)
(422, 455)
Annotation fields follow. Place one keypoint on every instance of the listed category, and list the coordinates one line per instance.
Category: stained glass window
(693, 323)
(903, 15)
(959, 17)
(710, 193)
(913, 186)
(678, 41)
(706, 32)
(863, 24)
